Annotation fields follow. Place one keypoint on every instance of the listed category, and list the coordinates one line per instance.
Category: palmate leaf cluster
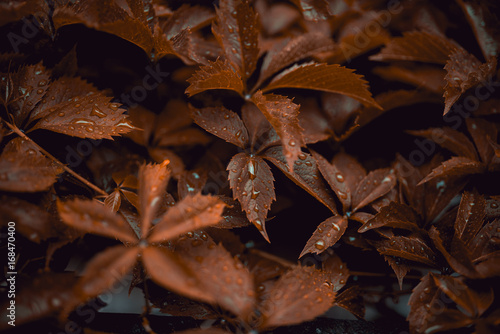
(185, 187)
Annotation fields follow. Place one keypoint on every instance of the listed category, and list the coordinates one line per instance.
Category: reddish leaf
(463, 72)
(335, 179)
(153, 179)
(413, 249)
(324, 77)
(262, 134)
(222, 123)
(215, 75)
(314, 9)
(251, 180)
(351, 170)
(483, 22)
(456, 255)
(394, 215)
(484, 238)
(399, 266)
(24, 169)
(450, 139)
(470, 216)
(342, 113)
(474, 303)
(114, 200)
(236, 30)
(336, 269)
(302, 294)
(191, 213)
(417, 46)
(94, 217)
(282, 113)
(89, 116)
(232, 216)
(351, 299)
(186, 16)
(291, 51)
(169, 271)
(427, 76)
(326, 235)
(456, 166)
(24, 90)
(42, 296)
(106, 269)
(424, 303)
(482, 132)
(31, 221)
(222, 276)
(376, 184)
(305, 174)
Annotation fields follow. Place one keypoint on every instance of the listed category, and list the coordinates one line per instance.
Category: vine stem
(92, 186)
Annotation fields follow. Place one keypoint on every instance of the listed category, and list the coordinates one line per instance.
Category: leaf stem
(16, 130)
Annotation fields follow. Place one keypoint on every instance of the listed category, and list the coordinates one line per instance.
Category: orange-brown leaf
(456, 166)
(215, 75)
(190, 214)
(252, 183)
(417, 46)
(283, 114)
(105, 269)
(24, 169)
(153, 179)
(328, 78)
(94, 217)
(222, 123)
(394, 215)
(463, 72)
(301, 294)
(376, 184)
(314, 9)
(410, 248)
(326, 235)
(236, 30)
(305, 174)
(470, 216)
(222, 276)
(169, 271)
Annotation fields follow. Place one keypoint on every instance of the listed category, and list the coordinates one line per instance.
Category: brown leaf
(190, 214)
(31, 220)
(417, 46)
(456, 254)
(105, 269)
(153, 180)
(376, 184)
(262, 134)
(470, 216)
(291, 51)
(350, 168)
(482, 132)
(394, 215)
(351, 299)
(283, 114)
(305, 174)
(251, 180)
(410, 248)
(89, 116)
(236, 30)
(222, 276)
(429, 77)
(456, 166)
(326, 235)
(335, 179)
(114, 200)
(222, 123)
(191, 182)
(483, 22)
(109, 17)
(24, 169)
(94, 217)
(473, 302)
(464, 71)
(186, 16)
(342, 113)
(169, 271)
(24, 90)
(336, 269)
(329, 78)
(484, 239)
(314, 9)
(232, 216)
(301, 294)
(42, 296)
(422, 302)
(215, 75)
(450, 139)
(399, 266)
